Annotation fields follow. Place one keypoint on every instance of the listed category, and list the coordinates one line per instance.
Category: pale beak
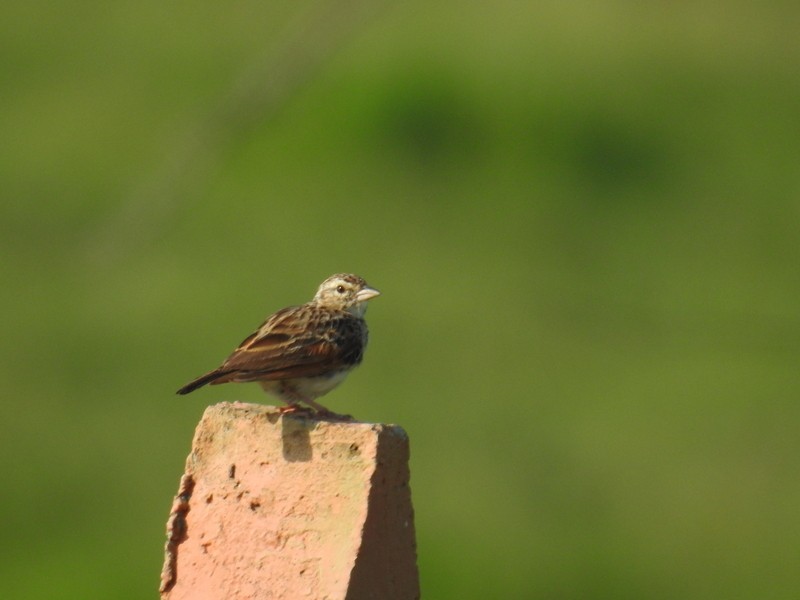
(366, 294)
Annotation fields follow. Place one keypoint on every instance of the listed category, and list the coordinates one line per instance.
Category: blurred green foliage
(584, 219)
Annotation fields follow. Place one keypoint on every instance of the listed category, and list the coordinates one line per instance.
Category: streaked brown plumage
(302, 352)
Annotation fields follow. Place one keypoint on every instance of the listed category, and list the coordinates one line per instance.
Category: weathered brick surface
(289, 507)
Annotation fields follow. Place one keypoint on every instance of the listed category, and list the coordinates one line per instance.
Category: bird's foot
(326, 413)
(313, 409)
(295, 409)
(332, 416)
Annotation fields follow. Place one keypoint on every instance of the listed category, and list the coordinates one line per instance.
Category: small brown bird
(302, 352)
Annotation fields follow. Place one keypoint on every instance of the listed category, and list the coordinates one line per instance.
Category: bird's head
(345, 292)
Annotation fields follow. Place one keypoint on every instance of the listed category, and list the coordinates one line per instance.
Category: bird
(302, 352)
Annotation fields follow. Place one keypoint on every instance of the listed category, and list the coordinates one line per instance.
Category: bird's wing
(298, 342)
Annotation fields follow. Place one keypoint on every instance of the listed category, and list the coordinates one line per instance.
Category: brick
(278, 506)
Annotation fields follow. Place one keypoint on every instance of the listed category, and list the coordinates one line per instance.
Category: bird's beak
(366, 294)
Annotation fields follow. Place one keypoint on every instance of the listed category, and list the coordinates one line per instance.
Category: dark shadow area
(386, 563)
(295, 435)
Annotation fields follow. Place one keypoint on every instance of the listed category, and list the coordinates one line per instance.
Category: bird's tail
(202, 380)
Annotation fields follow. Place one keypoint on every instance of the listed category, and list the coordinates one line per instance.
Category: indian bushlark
(302, 352)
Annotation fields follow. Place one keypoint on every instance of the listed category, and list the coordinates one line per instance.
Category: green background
(584, 218)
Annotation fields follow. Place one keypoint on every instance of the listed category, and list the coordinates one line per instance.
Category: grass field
(584, 219)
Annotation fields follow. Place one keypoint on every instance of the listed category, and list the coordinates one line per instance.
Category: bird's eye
(340, 289)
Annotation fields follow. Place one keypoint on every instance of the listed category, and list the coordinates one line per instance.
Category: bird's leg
(326, 412)
(292, 408)
(317, 406)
